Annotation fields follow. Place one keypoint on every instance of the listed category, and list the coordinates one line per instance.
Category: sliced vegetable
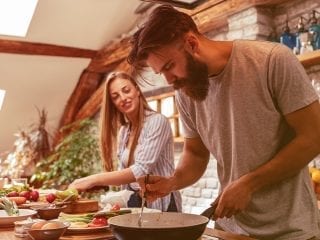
(98, 222)
(78, 225)
(86, 218)
(9, 206)
(102, 221)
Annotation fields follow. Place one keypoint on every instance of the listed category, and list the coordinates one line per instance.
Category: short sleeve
(290, 85)
(188, 125)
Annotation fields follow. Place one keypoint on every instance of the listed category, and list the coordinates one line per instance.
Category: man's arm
(285, 164)
(191, 167)
(193, 163)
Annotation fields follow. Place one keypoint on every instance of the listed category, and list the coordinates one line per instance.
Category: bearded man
(251, 105)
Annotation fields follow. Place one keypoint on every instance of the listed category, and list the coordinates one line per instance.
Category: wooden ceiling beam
(109, 56)
(32, 48)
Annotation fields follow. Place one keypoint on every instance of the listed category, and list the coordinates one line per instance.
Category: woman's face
(125, 96)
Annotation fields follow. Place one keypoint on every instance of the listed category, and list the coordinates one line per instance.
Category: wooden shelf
(310, 59)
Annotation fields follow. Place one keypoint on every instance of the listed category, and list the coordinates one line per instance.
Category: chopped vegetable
(98, 222)
(9, 206)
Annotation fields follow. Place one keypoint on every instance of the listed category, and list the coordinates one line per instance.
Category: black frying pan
(161, 226)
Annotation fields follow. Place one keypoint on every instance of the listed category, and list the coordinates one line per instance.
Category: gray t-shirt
(242, 124)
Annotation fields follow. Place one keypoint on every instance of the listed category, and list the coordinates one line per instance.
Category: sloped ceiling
(46, 81)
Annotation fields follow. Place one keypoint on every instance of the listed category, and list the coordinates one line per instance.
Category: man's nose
(170, 78)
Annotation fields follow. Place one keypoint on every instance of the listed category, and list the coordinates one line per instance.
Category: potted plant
(76, 156)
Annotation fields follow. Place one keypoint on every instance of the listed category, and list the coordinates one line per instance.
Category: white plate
(6, 220)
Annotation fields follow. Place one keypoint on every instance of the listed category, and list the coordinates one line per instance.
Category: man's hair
(164, 26)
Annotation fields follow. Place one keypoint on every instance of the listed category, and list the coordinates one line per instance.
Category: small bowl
(19, 226)
(49, 212)
(47, 234)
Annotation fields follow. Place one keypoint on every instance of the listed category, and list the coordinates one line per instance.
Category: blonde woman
(140, 138)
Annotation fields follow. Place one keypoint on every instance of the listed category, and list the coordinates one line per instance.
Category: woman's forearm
(124, 176)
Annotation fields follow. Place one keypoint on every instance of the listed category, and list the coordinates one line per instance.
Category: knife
(146, 180)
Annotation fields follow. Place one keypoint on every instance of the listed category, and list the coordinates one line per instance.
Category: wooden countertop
(8, 234)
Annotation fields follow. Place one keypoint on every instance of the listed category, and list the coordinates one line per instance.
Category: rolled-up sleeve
(152, 142)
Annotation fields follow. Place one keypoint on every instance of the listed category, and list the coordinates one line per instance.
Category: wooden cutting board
(225, 235)
(82, 206)
(89, 236)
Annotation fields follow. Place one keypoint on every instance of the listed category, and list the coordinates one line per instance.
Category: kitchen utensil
(210, 211)
(146, 180)
(159, 226)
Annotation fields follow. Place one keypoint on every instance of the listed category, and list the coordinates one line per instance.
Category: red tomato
(98, 222)
(115, 207)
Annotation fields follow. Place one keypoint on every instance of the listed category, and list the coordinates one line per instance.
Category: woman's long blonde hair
(111, 119)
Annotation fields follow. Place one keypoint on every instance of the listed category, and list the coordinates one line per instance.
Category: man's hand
(157, 187)
(235, 198)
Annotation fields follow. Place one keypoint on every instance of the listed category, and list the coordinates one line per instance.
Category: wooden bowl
(48, 234)
(49, 212)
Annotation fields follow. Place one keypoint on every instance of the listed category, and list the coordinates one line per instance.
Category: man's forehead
(157, 59)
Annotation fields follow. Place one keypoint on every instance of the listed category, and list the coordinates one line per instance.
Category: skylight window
(15, 16)
(2, 93)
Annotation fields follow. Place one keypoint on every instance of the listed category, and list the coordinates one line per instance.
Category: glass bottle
(300, 34)
(314, 30)
(288, 38)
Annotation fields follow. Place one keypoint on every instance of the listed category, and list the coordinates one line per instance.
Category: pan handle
(210, 211)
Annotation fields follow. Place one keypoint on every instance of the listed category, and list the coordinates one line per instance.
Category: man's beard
(196, 84)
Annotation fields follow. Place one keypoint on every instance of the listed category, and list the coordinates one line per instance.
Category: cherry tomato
(98, 222)
(115, 207)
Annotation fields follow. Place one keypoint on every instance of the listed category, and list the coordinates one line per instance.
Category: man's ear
(191, 43)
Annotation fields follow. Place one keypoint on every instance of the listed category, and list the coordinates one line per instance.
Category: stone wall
(254, 23)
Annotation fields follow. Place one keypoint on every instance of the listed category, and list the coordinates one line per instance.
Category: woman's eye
(114, 97)
(126, 90)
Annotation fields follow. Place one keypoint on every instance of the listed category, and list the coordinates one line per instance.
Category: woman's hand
(83, 184)
(156, 187)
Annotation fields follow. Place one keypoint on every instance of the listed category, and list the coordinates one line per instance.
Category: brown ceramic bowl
(49, 212)
(53, 233)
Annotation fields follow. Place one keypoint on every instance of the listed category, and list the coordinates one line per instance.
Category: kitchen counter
(210, 234)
